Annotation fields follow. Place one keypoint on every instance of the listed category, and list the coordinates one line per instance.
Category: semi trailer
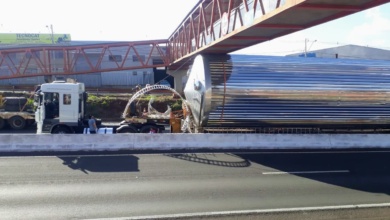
(244, 93)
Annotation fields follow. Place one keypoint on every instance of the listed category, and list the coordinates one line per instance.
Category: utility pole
(50, 78)
(306, 49)
(306, 40)
(52, 33)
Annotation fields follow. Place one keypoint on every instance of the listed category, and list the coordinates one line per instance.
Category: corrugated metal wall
(90, 80)
(128, 78)
(23, 81)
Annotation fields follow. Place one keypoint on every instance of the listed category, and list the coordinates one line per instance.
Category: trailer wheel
(60, 130)
(17, 122)
(126, 129)
(147, 128)
(2, 123)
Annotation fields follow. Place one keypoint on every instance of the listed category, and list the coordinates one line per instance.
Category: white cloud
(374, 31)
(292, 43)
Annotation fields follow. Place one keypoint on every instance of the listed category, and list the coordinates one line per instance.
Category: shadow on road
(211, 159)
(126, 163)
(366, 171)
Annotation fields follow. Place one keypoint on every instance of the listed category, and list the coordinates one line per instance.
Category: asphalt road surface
(126, 186)
(28, 130)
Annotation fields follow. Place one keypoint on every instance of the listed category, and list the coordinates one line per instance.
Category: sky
(132, 20)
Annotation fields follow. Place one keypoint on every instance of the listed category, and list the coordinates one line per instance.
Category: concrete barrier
(100, 142)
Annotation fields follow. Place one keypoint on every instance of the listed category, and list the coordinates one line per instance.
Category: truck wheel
(2, 123)
(61, 130)
(147, 128)
(17, 122)
(126, 129)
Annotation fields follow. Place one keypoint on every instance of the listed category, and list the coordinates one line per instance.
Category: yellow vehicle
(13, 113)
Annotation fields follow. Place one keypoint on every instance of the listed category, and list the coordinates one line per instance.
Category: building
(348, 52)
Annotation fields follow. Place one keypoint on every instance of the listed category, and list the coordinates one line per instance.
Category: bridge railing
(212, 20)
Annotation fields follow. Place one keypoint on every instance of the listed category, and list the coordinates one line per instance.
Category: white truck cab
(60, 107)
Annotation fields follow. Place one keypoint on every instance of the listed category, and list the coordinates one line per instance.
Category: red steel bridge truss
(223, 26)
(69, 60)
(212, 26)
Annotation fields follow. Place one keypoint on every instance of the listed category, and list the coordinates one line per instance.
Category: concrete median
(113, 142)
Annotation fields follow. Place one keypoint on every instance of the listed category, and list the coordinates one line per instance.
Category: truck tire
(61, 130)
(126, 129)
(147, 128)
(17, 122)
(2, 123)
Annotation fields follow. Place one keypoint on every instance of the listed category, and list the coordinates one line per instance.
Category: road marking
(306, 172)
(248, 212)
(320, 151)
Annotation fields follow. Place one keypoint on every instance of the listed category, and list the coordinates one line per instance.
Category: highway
(124, 186)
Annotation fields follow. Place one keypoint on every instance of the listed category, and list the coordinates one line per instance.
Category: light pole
(306, 41)
(50, 77)
(52, 33)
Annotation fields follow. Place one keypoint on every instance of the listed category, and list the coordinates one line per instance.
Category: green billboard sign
(32, 38)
